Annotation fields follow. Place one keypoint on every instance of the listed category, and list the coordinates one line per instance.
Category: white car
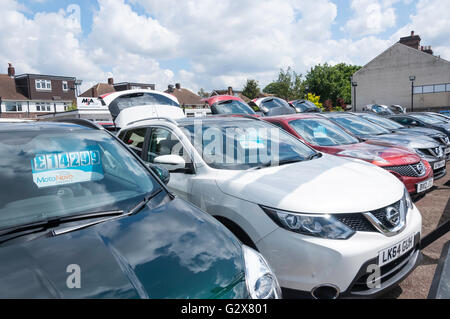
(327, 225)
(127, 106)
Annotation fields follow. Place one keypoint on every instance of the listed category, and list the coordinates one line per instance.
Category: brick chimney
(177, 86)
(427, 49)
(111, 81)
(11, 70)
(230, 90)
(412, 41)
(170, 88)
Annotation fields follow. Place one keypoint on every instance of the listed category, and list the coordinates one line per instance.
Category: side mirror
(173, 163)
(161, 172)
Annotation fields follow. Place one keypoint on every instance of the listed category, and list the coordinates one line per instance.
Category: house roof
(98, 90)
(8, 89)
(186, 96)
(405, 47)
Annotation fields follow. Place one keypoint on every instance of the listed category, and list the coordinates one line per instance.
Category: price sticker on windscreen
(319, 132)
(52, 169)
(251, 140)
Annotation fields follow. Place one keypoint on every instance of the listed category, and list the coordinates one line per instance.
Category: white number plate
(447, 150)
(439, 164)
(396, 251)
(421, 187)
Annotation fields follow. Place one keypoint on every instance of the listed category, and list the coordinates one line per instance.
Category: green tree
(202, 93)
(331, 82)
(251, 89)
(288, 86)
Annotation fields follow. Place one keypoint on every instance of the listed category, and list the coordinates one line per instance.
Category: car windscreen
(359, 126)
(50, 174)
(138, 99)
(322, 132)
(231, 107)
(240, 145)
(382, 109)
(382, 121)
(427, 119)
(439, 117)
(274, 102)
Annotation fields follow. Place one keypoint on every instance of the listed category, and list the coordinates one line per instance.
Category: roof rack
(154, 118)
(82, 122)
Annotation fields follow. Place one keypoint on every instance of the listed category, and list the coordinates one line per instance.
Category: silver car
(395, 127)
(426, 147)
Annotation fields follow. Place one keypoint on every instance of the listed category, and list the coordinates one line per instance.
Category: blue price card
(67, 168)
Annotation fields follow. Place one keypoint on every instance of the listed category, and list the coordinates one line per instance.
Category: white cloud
(371, 17)
(224, 42)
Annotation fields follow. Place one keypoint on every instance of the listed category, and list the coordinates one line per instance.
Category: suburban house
(104, 88)
(230, 91)
(186, 97)
(27, 95)
(407, 74)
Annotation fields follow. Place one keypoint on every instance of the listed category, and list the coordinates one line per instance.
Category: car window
(240, 145)
(359, 126)
(322, 132)
(231, 107)
(135, 139)
(163, 142)
(53, 174)
(138, 99)
(427, 119)
(386, 123)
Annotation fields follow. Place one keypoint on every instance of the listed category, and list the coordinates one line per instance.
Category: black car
(271, 106)
(81, 216)
(304, 106)
(423, 120)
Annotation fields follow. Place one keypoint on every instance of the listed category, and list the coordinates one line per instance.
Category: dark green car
(82, 217)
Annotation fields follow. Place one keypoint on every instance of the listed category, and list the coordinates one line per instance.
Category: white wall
(385, 79)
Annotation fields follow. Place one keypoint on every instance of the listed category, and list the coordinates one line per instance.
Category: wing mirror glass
(161, 172)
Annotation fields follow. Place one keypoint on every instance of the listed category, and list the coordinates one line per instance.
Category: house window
(65, 86)
(13, 106)
(428, 89)
(65, 106)
(417, 89)
(43, 85)
(439, 88)
(448, 87)
(134, 87)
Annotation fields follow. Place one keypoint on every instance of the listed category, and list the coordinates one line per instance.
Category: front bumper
(302, 263)
(440, 172)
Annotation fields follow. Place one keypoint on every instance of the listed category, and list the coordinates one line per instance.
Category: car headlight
(363, 155)
(323, 226)
(407, 199)
(260, 279)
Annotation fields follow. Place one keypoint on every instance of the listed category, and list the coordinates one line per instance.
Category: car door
(163, 141)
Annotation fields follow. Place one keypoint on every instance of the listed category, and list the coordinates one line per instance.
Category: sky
(207, 44)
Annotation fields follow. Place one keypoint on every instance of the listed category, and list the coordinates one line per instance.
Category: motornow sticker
(54, 169)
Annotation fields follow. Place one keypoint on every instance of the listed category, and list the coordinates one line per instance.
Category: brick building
(27, 95)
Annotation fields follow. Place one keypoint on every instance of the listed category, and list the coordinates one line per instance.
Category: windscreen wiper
(315, 155)
(30, 228)
(131, 212)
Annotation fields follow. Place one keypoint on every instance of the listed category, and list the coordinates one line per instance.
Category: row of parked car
(236, 205)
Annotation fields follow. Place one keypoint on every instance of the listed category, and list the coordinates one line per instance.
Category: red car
(228, 104)
(325, 136)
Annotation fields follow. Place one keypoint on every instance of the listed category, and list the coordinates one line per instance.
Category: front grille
(358, 222)
(380, 214)
(414, 170)
(441, 139)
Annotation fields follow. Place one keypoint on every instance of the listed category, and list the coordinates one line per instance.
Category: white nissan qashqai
(327, 225)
